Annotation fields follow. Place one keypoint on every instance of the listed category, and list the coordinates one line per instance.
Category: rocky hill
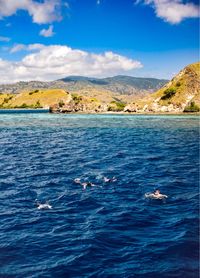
(181, 94)
(120, 84)
(125, 85)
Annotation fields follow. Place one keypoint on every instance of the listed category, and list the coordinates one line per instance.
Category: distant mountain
(123, 85)
(182, 93)
(119, 84)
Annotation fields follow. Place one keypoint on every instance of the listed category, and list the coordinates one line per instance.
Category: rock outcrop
(79, 104)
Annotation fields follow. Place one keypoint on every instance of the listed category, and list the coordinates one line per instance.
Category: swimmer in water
(77, 180)
(113, 179)
(157, 192)
(84, 184)
(44, 206)
(156, 195)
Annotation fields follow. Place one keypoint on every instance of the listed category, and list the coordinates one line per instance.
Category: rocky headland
(181, 94)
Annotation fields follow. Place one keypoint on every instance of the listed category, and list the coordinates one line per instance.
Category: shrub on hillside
(76, 98)
(178, 84)
(94, 99)
(116, 106)
(38, 105)
(192, 107)
(33, 92)
(31, 106)
(7, 99)
(168, 93)
(61, 103)
(24, 105)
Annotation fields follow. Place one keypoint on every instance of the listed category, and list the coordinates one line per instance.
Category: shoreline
(99, 113)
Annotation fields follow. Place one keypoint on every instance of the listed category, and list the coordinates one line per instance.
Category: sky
(51, 39)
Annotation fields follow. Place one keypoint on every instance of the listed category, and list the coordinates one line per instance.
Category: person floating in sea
(156, 192)
(89, 184)
(156, 195)
(77, 180)
(84, 184)
(113, 179)
(44, 206)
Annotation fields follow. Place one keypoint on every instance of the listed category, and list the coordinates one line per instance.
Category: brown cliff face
(181, 94)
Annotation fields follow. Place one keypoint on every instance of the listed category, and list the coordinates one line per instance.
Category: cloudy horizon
(52, 39)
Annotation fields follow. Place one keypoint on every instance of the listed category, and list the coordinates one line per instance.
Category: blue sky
(50, 39)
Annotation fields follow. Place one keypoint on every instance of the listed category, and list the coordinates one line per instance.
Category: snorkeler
(113, 179)
(77, 180)
(84, 184)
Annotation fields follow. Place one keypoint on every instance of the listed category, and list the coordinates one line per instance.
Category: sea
(109, 229)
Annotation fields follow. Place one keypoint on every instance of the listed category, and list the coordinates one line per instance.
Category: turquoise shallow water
(109, 230)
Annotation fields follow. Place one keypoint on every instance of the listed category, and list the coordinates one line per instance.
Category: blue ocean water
(109, 230)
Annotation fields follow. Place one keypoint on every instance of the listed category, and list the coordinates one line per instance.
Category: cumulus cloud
(173, 11)
(41, 12)
(4, 39)
(47, 32)
(57, 61)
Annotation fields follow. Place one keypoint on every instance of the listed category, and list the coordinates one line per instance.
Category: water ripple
(109, 230)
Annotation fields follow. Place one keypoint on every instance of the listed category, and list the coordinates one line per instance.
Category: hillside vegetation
(182, 93)
(33, 99)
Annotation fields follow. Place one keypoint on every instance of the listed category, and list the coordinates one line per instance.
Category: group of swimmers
(156, 194)
(90, 184)
(46, 205)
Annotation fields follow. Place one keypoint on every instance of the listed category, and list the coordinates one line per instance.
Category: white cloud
(17, 48)
(57, 61)
(173, 11)
(35, 46)
(41, 12)
(47, 32)
(31, 47)
(4, 39)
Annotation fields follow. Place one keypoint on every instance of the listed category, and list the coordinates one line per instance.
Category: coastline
(23, 110)
(46, 110)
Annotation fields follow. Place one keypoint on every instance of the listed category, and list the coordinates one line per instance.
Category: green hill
(181, 94)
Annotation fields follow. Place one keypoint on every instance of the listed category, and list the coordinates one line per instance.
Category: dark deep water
(109, 230)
